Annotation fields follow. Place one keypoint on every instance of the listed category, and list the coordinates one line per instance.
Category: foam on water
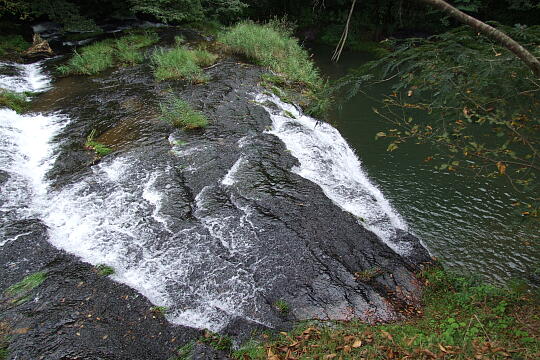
(25, 156)
(327, 160)
(30, 77)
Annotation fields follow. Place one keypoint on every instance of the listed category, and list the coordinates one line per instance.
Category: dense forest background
(321, 19)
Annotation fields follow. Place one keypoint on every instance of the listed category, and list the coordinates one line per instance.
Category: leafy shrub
(12, 43)
(181, 115)
(181, 63)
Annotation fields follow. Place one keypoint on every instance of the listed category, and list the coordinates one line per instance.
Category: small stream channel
(468, 222)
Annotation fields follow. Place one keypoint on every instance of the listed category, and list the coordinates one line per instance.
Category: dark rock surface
(255, 235)
(77, 313)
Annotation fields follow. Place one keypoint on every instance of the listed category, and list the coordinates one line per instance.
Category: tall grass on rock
(181, 63)
(273, 47)
(180, 114)
(97, 57)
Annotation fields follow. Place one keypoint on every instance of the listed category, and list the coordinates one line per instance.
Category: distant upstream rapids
(215, 225)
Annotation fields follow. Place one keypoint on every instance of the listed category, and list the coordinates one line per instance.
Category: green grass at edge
(461, 319)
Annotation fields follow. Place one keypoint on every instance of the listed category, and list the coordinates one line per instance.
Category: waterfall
(327, 160)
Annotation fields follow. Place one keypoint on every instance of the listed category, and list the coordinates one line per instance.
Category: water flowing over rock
(216, 225)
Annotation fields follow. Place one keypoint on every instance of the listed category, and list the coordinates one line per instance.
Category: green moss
(97, 57)
(104, 270)
(23, 287)
(181, 63)
(15, 101)
(12, 43)
(180, 114)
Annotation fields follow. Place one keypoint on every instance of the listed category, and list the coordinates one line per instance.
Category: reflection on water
(466, 221)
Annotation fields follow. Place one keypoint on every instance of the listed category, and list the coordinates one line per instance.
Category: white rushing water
(25, 153)
(117, 214)
(327, 160)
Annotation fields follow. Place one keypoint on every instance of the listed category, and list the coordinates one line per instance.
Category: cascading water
(327, 160)
(25, 154)
(208, 265)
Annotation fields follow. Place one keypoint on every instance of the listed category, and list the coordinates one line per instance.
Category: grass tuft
(180, 114)
(13, 100)
(104, 270)
(97, 57)
(267, 46)
(182, 63)
(184, 352)
(282, 306)
(100, 149)
(161, 310)
(217, 341)
(275, 49)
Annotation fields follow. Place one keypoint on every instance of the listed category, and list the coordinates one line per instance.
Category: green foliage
(268, 47)
(185, 11)
(162, 310)
(272, 46)
(462, 319)
(282, 306)
(181, 63)
(184, 352)
(20, 290)
(12, 43)
(104, 270)
(180, 114)
(217, 341)
(250, 350)
(13, 100)
(473, 99)
(95, 58)
(91, 144)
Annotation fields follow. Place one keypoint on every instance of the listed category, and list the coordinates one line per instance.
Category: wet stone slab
(212, 224)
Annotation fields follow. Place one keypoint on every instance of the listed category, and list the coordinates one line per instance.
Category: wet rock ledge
(283, 238)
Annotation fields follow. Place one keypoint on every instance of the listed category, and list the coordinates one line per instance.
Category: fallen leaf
(387, 335)
(329, 356)
(357, 343)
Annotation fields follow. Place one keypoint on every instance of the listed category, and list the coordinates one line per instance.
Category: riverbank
(461, 318)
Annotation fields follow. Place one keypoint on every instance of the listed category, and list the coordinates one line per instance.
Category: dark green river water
(467, 222)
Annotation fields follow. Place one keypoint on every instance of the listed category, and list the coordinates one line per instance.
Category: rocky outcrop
(212, 223)
(40, 49)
